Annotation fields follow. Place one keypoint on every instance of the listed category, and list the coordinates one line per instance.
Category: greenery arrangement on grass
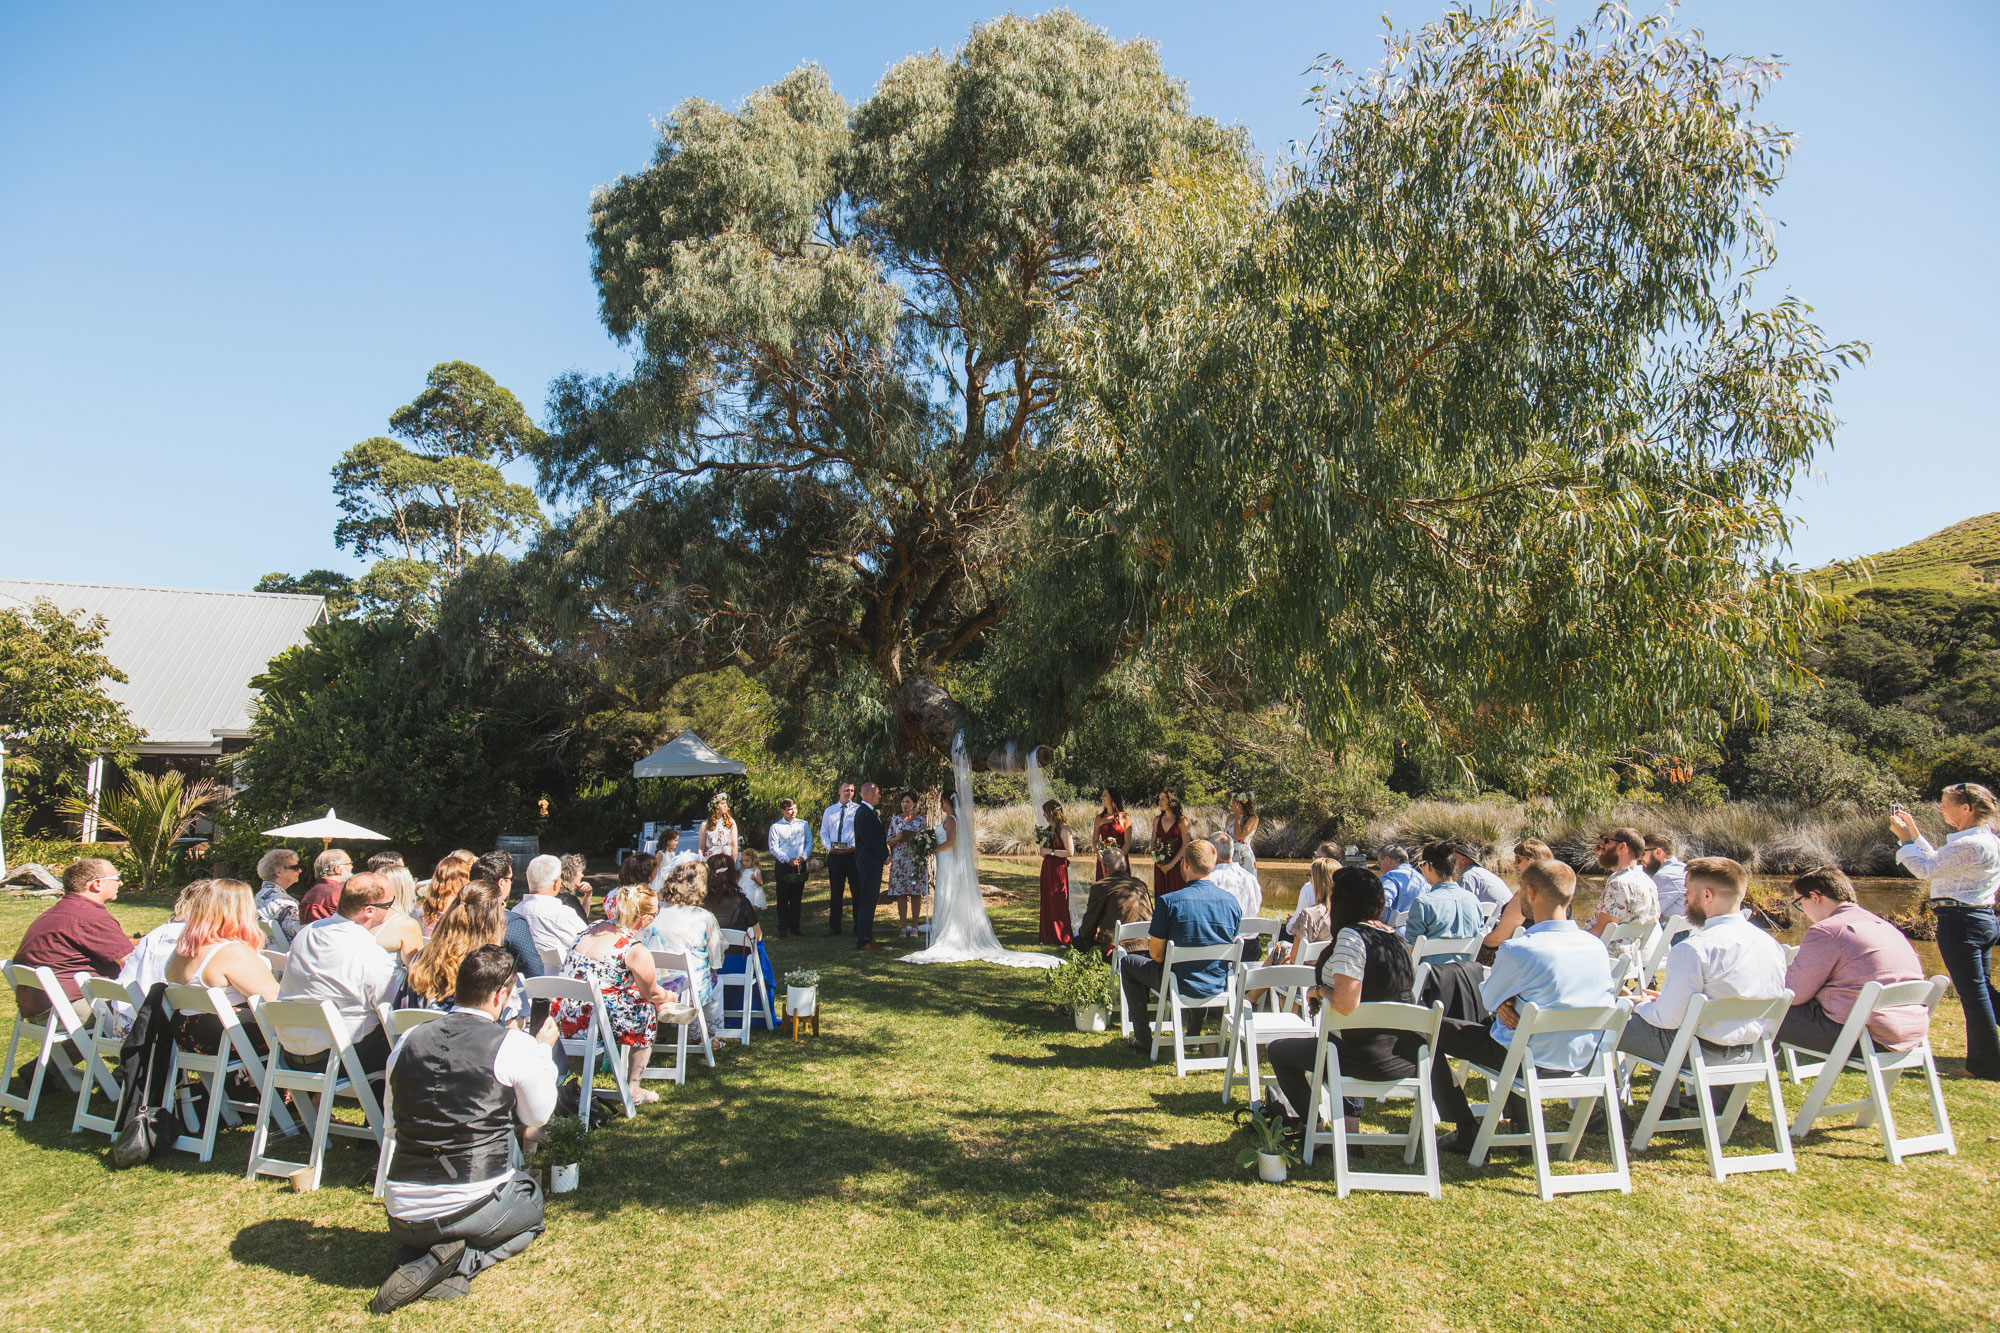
(563, 1140)
(1083, 980)
(802, 978)
(1267, 1139)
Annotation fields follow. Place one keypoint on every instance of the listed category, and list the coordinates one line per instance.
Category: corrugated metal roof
(189, 655)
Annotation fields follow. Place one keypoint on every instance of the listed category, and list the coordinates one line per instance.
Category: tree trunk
(927, 718)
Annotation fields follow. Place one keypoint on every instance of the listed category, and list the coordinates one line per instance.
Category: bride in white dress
(961, 932)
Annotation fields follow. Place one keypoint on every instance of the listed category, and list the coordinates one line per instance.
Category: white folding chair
(665, 964)
(1855, 1051)
(1330, 1086)
(343, 1076)
(58, 1036)
(552, 960)
(1133, 931)
(749, 983)
(276, 960)
(597, 1038)
(1424, 950)
(1791, 952)
(1396, 920)
(1520, 1075)
(233, 1054)
(102, 1043)
(1687, 1065)
(1489, 916)
(1634, 940)
(1259, 927)
(397, 1023)
(1307, 955)
(1656, 957)
(1283, 1015)
(1169, 1022)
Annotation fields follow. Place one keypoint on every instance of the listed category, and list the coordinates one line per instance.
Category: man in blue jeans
(1198, 914)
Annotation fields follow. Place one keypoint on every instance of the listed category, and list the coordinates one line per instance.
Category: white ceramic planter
(1271, 1167)
(1092, 1018)
(562, 1179)
(801, 1001)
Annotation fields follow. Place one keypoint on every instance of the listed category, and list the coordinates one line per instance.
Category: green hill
(1965, 557)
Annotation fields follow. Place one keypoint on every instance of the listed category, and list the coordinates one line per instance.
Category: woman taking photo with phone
(1963, 876)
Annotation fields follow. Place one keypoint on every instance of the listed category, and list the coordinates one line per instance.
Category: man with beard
(1629, 895)
(1669, 874)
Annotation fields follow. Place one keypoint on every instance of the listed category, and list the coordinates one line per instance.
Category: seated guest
(1554, 966)
(453, 873)
(1846, 947)
(336, 958)
(147, 965)
(573, 890)
(76, 933)
(1514, 915)
(277, 910)
(612, 958)
(330, 870)
(220, 947)
(1445, 910)
(1310, 922)
(497, 870)
(1668, 872)
(1367, 962)
(1233, 879)
(685, 925)
(553, 925)
(457, 1088)
(1723, 958)
(1401, 883)
(1120, 898)
(475, 920)
(636, 868)
(1629, 896)
(1475, 878)
(726, 901)
(1195, 916)
(400, 932)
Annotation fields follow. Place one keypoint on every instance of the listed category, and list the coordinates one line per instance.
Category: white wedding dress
(961, 932)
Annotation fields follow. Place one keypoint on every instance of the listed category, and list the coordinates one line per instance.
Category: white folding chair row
(597, 1038)
(233, 1054)
(1172, 1007)
(1283, 1015)
(1582, 1090)
(668, 963)
(59, 1039)
(749, 984)
(1656, 956)
(343, 1076)
(1687, 1065)
(103, 1043)
(1129, 932)
(1855, 1051)
(1330, 1086)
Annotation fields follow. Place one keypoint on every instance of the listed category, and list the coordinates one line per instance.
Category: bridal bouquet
(924, 842)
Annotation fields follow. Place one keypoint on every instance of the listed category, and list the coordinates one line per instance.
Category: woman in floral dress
(909, 873)
(617, 966)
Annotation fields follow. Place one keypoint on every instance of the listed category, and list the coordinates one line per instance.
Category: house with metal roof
(188, 656)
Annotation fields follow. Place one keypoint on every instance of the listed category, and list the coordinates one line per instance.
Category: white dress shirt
(1966, 869)
(1239, 884)
(1670, 881)
(552, 923)
(1486, 886)
(837, 825)
(1725, 958)
(789, 838)
(335, 959)
(523, 1064)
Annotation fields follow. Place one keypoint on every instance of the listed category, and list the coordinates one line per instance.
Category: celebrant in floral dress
(910, 844)
(1114, 827)
(1059, 844)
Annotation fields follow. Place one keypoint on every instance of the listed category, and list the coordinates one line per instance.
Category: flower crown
(1242, 796)
(720, 798)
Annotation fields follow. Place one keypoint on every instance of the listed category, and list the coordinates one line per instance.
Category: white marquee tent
(685, 756)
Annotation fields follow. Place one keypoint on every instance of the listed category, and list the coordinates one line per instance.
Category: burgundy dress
(1113, 832)
(1055, 927)
(1166, 842)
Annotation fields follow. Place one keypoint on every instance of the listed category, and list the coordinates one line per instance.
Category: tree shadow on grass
(337, 1256)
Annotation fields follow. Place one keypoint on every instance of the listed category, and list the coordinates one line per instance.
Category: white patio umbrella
(326, 830)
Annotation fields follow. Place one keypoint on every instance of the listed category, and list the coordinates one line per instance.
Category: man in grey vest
(457, 1086)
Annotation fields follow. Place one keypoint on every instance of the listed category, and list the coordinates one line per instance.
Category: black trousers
(1292, 1060)
(839, 876)
(1808, 1026)
(790, 886)
(867, 892)
(1140, 976)
(1467, 1040)
(497, 1229)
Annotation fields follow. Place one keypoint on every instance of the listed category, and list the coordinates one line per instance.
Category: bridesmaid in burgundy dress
(1060, 844)
(1114, 827)
(1170, 842)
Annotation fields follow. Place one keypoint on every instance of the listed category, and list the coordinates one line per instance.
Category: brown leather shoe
(872, 947)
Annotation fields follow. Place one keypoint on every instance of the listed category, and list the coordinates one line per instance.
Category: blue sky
(233, 238)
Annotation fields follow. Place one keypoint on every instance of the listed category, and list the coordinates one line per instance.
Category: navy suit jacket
(871, 839)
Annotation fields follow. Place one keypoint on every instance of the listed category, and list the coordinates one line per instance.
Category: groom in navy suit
(871, 853)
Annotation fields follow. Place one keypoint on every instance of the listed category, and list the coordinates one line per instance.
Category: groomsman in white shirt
(836, 830)
(790, 842)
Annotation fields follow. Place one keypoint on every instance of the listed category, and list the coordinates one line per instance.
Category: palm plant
(152, 813)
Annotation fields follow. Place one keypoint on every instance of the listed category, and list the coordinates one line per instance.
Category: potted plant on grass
(563, 1140)
(801, 993)
(1269, 1150)
(1082, 983)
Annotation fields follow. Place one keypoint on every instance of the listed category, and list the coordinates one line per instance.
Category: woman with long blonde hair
(475, 917)
(400, 932)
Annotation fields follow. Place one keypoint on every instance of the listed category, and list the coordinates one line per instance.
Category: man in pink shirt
(1846, 947)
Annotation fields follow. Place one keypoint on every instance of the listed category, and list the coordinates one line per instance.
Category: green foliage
(152, 812)
(1082, 980)
(1963, 558)
(840, 316)
(1476, 430)
(431, 502)
(1268, 1138)
(338, 589)
(804, 978)
(55, 713)
(564, 1139)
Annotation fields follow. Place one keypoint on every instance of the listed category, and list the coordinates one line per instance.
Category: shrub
(1081, 980)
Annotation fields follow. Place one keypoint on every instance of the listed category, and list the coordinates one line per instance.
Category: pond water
(1283, 879)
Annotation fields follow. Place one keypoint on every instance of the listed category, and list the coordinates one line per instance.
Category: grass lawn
(952, 1154)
